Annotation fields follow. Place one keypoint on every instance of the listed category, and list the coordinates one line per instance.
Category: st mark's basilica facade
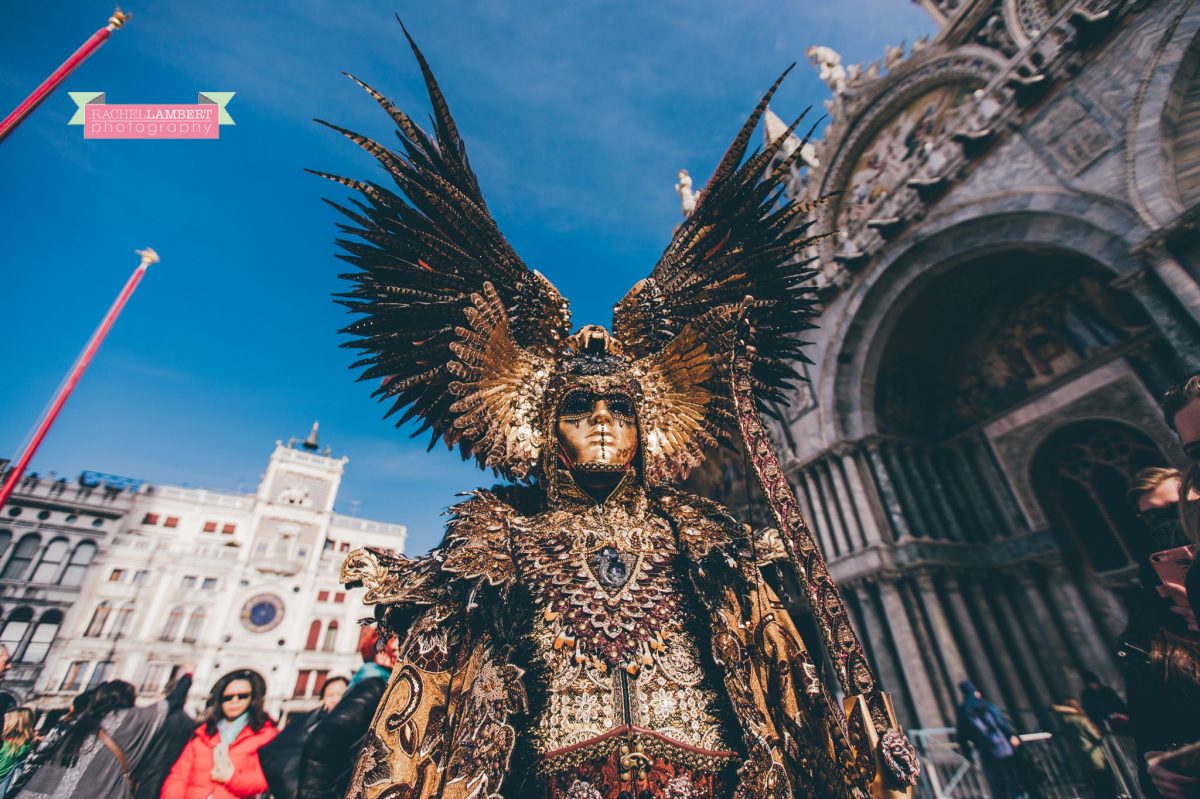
(1013, 285)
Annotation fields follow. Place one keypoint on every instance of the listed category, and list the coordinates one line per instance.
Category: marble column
(837, 526)
(943, 507)
(944, 639)
(1005, 668)
(1088, 640)
(962, 507)
(920, 688)
(893, 510)
(987, 510)
(980, 671)
(887, 667)
(850, 514)
(864, 505)
(1175, 278)
(1172, 321)
(810, 504)
(997, 483)
(922, 491)
(1026, 655)
(928, 646)
(1055, 650)
(919, 526)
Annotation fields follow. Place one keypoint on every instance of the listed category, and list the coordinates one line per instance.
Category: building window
(209, 584)
(189, 581)
(21, 557)
(5, 540)
(322, 596)
(43, 637)
(100, 673)
(156, 678)
(14, 631)
(329, 545)
(121, 622)
(116, 576)
(301, 688)
(344, 546)
(319, 682)
(194, 626)
(228, 529)
(314, 633)
(339, 597)
(330, 637)
(210, 527)
(150, 518)
(95, 627)
(141, 577)
(174, 621)
(74, 676)
(51, 563)
(77, 567)
(172, 521)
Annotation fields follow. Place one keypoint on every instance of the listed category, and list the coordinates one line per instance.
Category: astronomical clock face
(262, 613)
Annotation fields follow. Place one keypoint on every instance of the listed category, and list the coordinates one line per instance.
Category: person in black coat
(280, 758)
(169, 741)
(334, 743)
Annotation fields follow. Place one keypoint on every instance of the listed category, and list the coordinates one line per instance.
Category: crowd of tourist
(108, 747)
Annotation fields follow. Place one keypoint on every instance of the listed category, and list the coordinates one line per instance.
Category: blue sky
(577, 117)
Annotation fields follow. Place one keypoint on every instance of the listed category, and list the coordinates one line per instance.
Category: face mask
(1165, 529)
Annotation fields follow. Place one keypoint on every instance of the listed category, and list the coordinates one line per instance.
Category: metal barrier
(1049, 765)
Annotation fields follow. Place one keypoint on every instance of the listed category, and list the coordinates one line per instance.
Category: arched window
(5, 540)
(330, 637)
(314, 635)
(14, 631)
(194, 626)
(81, 558)
(174, 621)
(43, 636)
(121, 623)
(95, 627)
(22, 556)
(1081, 473)
(51, 563)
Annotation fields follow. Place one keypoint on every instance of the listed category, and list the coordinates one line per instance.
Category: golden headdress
(466, 337)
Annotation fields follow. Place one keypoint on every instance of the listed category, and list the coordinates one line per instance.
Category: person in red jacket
(221, 760)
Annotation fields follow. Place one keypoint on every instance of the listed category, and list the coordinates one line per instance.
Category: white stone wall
(211, 582)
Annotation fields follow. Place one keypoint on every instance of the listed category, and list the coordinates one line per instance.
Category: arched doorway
(1080, 474)
(992, 333)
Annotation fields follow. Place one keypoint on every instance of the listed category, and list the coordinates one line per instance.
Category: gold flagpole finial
(119, 18)
(149, 256)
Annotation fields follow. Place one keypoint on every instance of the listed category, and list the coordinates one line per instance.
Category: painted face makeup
(598, 431)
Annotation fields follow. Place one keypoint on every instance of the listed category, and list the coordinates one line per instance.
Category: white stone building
(50, 532)
(213, 581)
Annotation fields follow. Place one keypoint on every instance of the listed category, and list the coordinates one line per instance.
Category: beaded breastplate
(613, 633)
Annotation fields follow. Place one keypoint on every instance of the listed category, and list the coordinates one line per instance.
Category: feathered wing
(441, 294)
(743, 240)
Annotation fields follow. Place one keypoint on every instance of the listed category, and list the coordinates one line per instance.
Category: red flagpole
(149, 256)
(31, 102)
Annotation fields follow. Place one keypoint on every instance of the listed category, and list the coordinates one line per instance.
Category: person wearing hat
(983, 728)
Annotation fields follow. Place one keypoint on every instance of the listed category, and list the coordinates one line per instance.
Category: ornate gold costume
(590, 632)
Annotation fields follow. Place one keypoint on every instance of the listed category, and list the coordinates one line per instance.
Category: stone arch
(870, 115)
(1149, 161)
(1056, 221)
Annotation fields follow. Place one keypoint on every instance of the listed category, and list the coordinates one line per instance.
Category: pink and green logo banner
(102, 120)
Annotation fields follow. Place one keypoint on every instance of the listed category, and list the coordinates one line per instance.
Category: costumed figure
(588, 630)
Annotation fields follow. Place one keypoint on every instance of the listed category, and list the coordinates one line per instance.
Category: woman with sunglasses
(221, 760)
